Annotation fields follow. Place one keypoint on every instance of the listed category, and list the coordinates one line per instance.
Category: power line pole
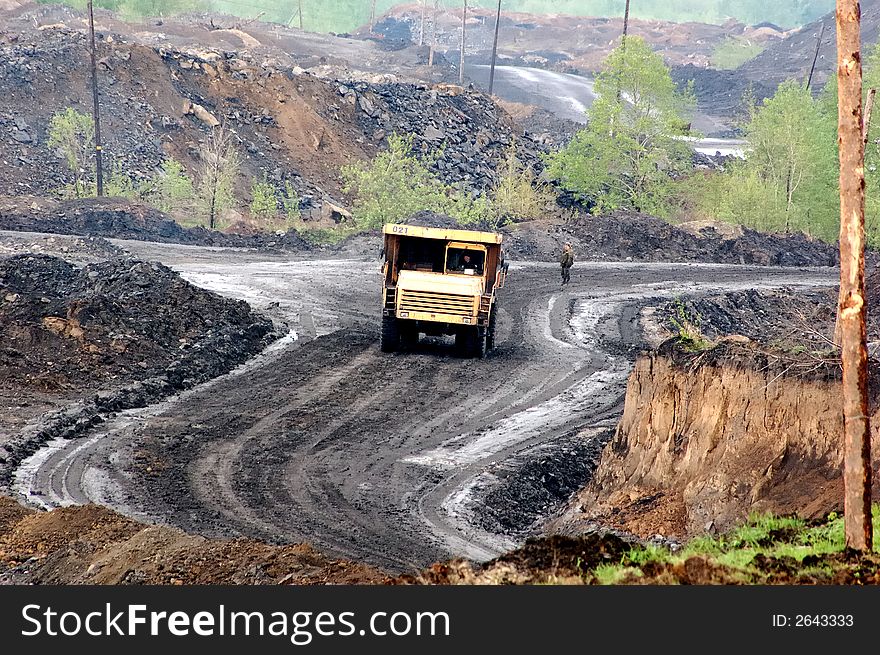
(99, 172)
(494, 48)
(424, 4)
(815, 56)
(301, 13)
(625, 22)
(433, 34)
(461, 59)
(851, 310)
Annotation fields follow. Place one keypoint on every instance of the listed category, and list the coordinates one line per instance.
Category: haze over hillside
(346, 15)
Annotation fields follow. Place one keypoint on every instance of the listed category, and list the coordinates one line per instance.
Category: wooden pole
(301, 14)
(625, 21)
(424, 4)
(494, 48)
(99, 168)
(815, 56)
(461, 59)
(851, 311)
(372, 14)
(433, 34)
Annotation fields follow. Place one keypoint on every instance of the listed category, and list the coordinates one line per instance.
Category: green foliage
(631, 149)
(733, 52)
(220, 167)
(396, 184)
(518, 194)
(73, 134)
(291, 202)
(687, 324)
(347, 15)
(264, 205)
(788, 181)
(119, 185)
(174, 192)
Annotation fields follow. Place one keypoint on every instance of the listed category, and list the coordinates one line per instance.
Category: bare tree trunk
(494, 48)
(851, 311)
(461, 59)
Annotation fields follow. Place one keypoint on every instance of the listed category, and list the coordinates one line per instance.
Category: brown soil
(94, 545)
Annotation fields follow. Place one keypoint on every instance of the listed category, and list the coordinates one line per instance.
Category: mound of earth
(120, 219)
(629, 236)
(116, 320)
(94, 545)
(129, 330)
(81, 250)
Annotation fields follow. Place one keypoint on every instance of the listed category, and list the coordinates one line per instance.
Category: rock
(431, 133)
(22, 137)
(204, 115)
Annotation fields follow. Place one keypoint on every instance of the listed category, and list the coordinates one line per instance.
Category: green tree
(174, 191)
(291, 202)
(519, 194)
(220, 166)
(632, 148)
(788, 182)
(264, 205)
(73, 135)
(396, 184)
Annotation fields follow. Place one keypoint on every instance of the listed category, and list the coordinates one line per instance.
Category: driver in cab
(468, 264)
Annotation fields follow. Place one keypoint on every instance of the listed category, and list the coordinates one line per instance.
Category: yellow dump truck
(441, 281)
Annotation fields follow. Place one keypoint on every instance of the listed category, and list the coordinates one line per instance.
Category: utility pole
(424, 4)
(372, 14)
(461, 59)
(851, 310)
(99, 169)
(625, 23)
(433, 34)
(494, 48)
(815, 56)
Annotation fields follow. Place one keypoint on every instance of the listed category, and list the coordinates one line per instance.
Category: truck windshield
(461, 260)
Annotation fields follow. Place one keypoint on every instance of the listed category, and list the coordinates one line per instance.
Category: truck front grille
(436, 303)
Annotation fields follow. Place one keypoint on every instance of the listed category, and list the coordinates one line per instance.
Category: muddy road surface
(385, 458)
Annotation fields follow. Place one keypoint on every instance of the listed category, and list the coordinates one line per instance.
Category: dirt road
(381, 458)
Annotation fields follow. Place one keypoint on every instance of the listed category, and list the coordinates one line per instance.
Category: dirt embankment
(95, 545)
(109, 336)
(706, 438)
(629, 236)
(120, 219)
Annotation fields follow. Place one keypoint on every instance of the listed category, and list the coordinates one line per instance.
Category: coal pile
(120, 219)
(115, 322)
(472, 131)
(630, 236)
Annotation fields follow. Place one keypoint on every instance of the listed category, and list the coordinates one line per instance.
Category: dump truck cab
(441, 281)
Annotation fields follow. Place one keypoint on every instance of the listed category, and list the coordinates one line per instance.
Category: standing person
(566, 260)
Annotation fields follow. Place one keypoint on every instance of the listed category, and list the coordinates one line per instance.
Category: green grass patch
(733, 53)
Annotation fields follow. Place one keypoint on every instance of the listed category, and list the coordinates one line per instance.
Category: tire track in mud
(375, 457)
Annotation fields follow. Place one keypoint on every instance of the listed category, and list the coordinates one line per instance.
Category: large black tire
(389, 337)
(490, 330)
(471, 341)
(409, 334)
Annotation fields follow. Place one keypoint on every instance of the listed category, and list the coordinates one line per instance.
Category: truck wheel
(409, 334)
(471, 341)
(490, 331)
(389, 337)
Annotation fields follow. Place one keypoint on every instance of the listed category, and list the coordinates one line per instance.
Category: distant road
(568, 96)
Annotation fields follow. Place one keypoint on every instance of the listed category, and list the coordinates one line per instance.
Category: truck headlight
(466, 320)
(404, 314)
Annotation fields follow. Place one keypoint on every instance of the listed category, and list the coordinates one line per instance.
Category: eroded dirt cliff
(707, 438)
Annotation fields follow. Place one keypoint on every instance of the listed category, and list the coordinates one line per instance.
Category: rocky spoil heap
(115, 321)
(470, 133)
